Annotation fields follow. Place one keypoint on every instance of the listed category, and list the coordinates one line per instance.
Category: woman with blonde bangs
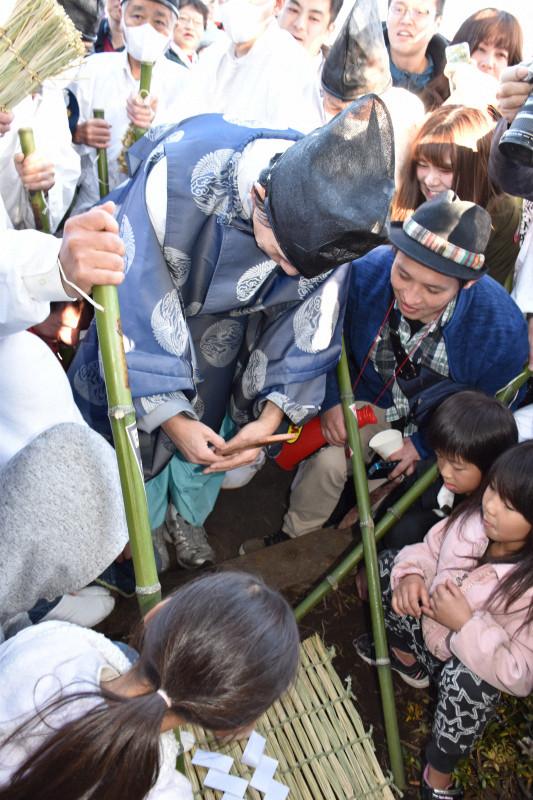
(451, 151)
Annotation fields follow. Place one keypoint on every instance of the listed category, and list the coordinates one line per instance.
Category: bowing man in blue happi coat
(232, 306)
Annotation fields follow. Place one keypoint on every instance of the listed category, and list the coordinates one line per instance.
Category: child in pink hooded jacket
(459, 608)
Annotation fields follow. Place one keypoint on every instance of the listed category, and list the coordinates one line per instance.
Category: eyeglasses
(419, 14)
(195, 23)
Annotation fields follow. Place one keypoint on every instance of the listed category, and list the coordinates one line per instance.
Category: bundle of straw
(37, 41)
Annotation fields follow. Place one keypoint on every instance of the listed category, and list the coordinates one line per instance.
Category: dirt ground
(294, 567)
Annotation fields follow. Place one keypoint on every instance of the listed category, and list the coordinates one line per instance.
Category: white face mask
(243, 21)
(144, 43)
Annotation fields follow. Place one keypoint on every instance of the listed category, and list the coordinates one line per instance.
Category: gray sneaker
(192, 547)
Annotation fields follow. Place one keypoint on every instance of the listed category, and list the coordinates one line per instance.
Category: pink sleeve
(421, 558)
(486, 648)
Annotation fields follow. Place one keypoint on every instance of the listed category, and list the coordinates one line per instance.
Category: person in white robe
(54, 167)
(259, 75)
(110, 81)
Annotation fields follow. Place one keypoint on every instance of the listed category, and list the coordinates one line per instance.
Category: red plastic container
(308, 439)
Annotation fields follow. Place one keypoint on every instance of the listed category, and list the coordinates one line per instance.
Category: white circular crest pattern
(308, 285)
(168, 324)
(89, 384)
(128, 237)
(315, 322)
(251, 280)
(155, 133)
(210, 184)
(254, 375)
(220, 342)
(153, 401)
(179, 265)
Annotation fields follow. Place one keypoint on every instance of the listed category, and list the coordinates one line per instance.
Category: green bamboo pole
(124, 428)
(103, 170)
(396, 512)
(337, 575)
(37, 199)
(507, 393)
(372, 570)
(144, 91)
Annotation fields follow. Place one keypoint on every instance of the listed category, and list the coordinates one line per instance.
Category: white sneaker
(87, 607)
(240, 476)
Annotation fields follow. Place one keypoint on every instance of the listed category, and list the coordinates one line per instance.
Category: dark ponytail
(223, 648)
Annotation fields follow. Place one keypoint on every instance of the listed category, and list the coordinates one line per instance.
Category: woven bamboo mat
(317, 736)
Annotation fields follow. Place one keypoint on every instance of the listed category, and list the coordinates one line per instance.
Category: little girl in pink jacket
(459, 610)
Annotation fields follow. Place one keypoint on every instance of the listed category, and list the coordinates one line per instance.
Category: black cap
(328, 196)
(446, 234)
(358, 62)
(171, 4)
(86, 16)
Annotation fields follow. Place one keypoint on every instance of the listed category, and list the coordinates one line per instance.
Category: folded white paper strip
(276, 791)
(262, 777)
(254, 750)
(205, 758)
(228, 796)
(225, 783)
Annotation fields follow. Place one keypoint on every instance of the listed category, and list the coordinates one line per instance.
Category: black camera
(517, 143)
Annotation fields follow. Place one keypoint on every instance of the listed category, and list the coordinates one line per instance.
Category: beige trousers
(320, 479)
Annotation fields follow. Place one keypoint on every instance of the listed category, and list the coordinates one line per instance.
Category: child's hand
(449, 606)
(410, 596)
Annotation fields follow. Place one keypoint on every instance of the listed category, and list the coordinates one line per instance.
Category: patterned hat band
(441, 246)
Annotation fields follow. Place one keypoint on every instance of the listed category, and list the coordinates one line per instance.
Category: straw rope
(316, 734)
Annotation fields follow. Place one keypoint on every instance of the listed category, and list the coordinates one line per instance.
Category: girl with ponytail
(78, 721)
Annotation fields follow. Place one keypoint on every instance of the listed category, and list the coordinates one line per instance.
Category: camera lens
(517, 142)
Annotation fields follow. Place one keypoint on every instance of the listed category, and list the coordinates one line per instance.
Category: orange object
(309, 438)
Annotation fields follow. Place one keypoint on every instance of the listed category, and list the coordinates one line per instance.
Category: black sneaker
(415, 676)
(252, 545)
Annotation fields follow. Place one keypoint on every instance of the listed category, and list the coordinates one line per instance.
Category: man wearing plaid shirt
(423, 321)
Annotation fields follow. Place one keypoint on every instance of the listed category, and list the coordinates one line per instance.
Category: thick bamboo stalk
(125, 435)
(37, 199)
(103, 170)
(353, 558)
(372, 570)
(507, 393)
(144, 91)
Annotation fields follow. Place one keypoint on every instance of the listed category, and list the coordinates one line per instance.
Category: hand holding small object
(141, 110)
(35, 173)
(410, 596)
(194, 440)
(449, 606)
(407, 455)
(93, 133)
(92, 251)
(245, 446)
(333, 426)
(513, 91)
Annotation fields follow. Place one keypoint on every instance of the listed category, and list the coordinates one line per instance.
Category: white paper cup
(386, 442)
